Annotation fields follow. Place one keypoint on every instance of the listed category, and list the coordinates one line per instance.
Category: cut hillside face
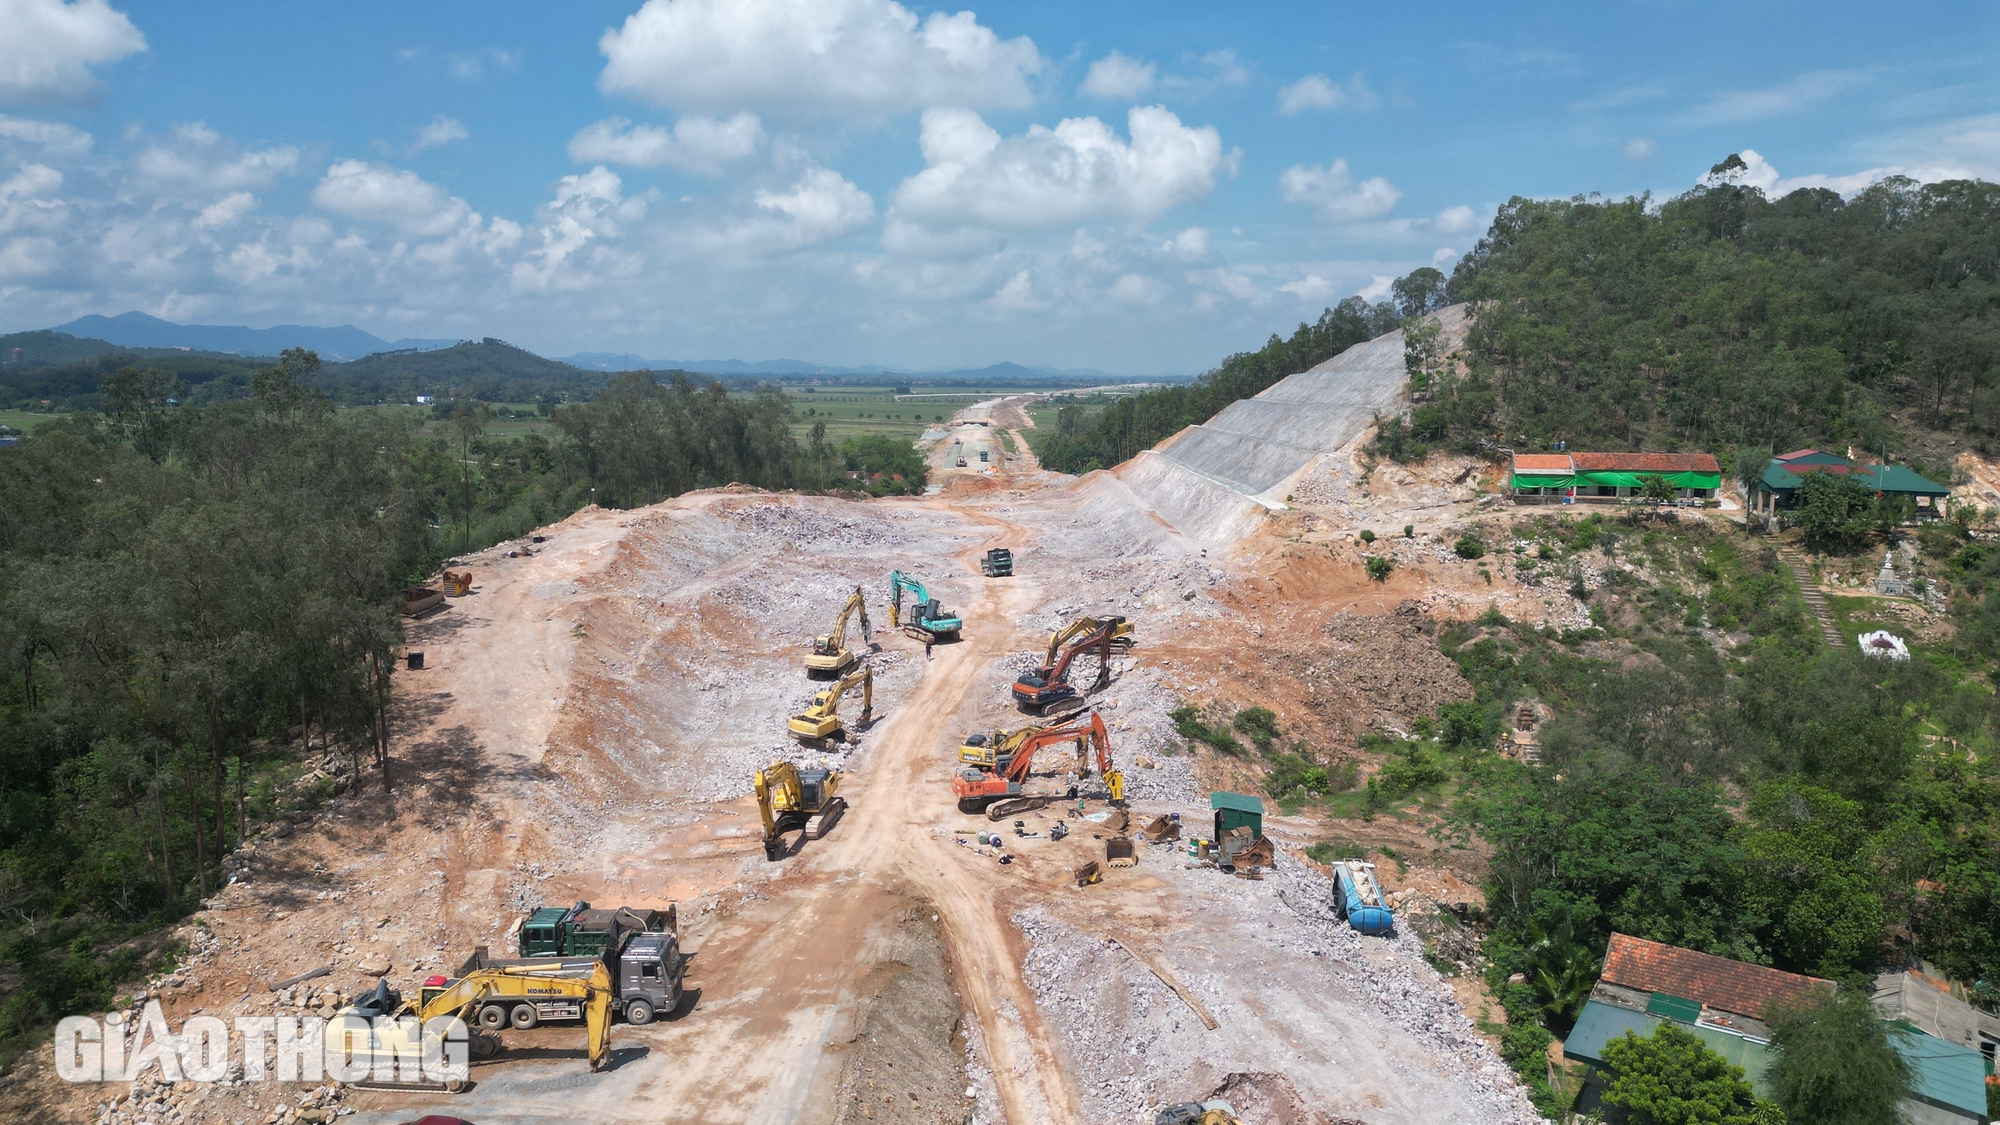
(1209, 480)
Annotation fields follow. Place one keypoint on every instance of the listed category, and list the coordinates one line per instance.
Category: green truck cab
(580, 931)
(997, 563)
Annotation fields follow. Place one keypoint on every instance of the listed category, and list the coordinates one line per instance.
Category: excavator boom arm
(1099, 640)
(1023, 762)
(777, 788)
(854, 603)
(594, 990)
(899, 582)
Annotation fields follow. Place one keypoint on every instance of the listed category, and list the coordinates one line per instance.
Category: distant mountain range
(346, 344)
(999, 372)
(339, 345)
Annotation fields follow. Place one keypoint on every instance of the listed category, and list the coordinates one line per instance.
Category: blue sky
(1140, 188)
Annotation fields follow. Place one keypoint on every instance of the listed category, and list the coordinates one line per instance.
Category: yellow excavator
(461, 997)
(1121, 635)
(987, 749)
(820, 721)
(792, 799)
(830, 655)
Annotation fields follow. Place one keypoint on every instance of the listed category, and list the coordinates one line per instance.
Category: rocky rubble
(1136, 1046)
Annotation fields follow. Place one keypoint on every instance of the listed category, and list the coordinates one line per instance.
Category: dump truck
(997, 563)
(642, 969)
(580, 931)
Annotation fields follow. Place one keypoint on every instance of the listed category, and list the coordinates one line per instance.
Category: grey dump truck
(637, 947)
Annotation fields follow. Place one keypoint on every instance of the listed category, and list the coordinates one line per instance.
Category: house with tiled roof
(1610, 476)
(1724, 1002)
(1775, 489)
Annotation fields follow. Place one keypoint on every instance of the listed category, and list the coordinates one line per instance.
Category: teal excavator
(928, 620)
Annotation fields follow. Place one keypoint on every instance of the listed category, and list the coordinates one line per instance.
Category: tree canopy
(1722, 317)
(1671, 1078)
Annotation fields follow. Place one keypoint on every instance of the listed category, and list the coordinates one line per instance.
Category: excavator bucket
(1089, 873)
(1117, 822)
(1118, 852)
(1162, 828)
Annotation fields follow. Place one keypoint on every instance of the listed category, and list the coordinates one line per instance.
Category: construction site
(882, 809)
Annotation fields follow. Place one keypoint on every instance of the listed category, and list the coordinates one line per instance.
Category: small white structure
(1883, 644)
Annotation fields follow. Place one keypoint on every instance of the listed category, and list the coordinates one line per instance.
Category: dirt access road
(586, 726)
(777, 980)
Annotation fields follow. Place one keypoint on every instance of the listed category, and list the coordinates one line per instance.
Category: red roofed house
(1612, 475)
(1723, 1002)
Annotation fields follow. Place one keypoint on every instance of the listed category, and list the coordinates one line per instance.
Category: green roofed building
(1610, 476)
(1781, 479)
(1644, 984)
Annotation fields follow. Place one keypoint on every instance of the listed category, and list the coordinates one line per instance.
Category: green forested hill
(490, 370)
(1722, 318)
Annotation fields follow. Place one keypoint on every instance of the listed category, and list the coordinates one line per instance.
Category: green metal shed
(1233, 810)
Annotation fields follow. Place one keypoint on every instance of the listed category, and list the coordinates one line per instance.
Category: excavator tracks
(822, 822)
(1001, 810)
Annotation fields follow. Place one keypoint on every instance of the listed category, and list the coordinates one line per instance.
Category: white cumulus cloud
(1078, 170)
(1119, 77)
(226, 211)
(1317, 91)
(1455, 220)
(1759, 173)
(1135, 289)
(1640, 149)
(822, 204)
(1190, 245)
(1312, 288)
(47, 47)
(377, 193)
(1018, 295)
(52, 137)
(696, 144)
(1335, 194)
(813, 57)
(439, 131)
(195, 157)
(33, 181)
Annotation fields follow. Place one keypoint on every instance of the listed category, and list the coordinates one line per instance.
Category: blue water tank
(1358, 898)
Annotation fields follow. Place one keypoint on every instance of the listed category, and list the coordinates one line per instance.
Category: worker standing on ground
(927, 648)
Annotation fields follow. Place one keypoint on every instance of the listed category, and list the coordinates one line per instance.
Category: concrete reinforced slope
(1211, 480)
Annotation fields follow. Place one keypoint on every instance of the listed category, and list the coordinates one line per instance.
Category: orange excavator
(1049, 686)
(996, 789)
